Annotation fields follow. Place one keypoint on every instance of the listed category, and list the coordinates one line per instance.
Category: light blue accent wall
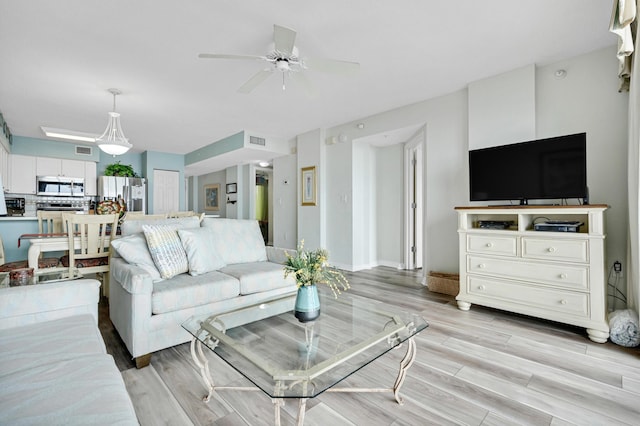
(49, 148)
(162, 161)
(222, 146)
(10, 230)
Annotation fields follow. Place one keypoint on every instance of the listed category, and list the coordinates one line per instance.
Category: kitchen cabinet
(90, 179)
(559, 276)
(59, 167)
(22, 174)
(4, 166)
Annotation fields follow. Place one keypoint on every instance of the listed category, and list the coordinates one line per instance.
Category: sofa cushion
(186, 291)
(28, 346)
(256, 277)
(84, 390)
(237, 240)
(201, 252)
(130, 227)
(166, 250)
(134, 249)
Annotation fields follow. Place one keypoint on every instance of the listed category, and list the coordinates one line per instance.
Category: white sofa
(229, 267)
(54, 369)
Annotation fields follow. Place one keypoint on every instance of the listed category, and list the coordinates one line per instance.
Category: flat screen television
(542, 169)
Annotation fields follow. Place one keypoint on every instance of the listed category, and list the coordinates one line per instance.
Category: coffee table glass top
(289, 359)
(41, 277)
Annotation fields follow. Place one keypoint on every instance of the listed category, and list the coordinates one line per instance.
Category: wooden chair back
(51, 222)
(89, 239)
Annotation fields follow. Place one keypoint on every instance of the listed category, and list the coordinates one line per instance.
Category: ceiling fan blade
(254, 81)
(284, 39)
(225, 56)
(306, 84)
(331, 65)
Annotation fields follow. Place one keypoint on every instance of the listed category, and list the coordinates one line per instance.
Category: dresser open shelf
(558, 276)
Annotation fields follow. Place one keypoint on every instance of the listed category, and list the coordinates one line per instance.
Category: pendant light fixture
(112, 141)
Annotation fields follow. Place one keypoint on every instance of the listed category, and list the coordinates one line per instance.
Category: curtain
(623, 25)
(622, 18)
(262, 212)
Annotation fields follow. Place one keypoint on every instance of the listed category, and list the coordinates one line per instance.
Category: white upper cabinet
(59, 167)
(22, 174)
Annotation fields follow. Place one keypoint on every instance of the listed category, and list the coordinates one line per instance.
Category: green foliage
(117, 169)
(311, 267)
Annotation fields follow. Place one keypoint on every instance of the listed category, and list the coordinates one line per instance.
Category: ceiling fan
(283, 56)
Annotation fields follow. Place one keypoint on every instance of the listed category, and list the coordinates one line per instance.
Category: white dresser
(559, 276)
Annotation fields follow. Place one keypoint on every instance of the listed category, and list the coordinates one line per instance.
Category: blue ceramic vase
(307, 303)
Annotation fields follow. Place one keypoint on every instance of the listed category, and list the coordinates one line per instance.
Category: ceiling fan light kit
(283, 56)
(113, 141)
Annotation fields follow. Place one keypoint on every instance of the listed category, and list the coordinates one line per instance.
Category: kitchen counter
(17, 218)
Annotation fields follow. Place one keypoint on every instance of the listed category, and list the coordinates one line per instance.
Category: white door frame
(414, 200)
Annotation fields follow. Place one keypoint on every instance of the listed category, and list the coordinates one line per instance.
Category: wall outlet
(617, 268)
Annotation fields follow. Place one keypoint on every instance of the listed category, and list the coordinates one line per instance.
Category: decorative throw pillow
(166, 250)
(134, 250)
(201, 252)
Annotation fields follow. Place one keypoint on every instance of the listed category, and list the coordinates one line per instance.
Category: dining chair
(90, 237)
(47, 262)
(50, 222)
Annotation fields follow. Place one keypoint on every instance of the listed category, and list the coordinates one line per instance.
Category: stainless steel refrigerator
(132, 190)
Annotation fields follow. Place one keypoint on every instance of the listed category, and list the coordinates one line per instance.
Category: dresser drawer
(560, 301)
(501, 245)
(555, 249)
(558, 275)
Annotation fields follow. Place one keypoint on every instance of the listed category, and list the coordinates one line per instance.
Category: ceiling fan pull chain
(283, 86)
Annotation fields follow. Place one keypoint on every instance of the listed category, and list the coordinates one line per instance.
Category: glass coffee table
(288, 359)
(41, 277)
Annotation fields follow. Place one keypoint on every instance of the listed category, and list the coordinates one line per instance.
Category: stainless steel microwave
(60, 186)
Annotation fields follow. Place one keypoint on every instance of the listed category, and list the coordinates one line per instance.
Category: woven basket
(440, 282)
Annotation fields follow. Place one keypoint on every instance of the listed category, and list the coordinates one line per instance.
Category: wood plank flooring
(481, 367)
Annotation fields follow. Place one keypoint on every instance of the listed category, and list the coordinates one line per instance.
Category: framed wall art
(212, 197)
(308, 179)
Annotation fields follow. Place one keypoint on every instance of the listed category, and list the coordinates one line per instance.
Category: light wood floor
(481, 367)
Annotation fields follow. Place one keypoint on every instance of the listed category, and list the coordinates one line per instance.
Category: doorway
(414, 200)
(166, 191)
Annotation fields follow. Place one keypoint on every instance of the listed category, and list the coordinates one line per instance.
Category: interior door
(166, 191)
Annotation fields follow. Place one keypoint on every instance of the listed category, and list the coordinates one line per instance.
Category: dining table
(40, 243)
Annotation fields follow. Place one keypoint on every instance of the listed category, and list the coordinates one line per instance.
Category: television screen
(553, 168)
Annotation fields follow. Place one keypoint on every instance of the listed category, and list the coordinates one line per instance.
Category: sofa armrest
(45, 302)
(278, 255)
(133, 279)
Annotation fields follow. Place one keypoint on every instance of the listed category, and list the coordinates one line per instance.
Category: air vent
(257, 141)
(84, 150)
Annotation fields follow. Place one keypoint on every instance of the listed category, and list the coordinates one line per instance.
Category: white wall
(390, 205)
(502, 108)
(285, 185)
(587, 99)
(339, 201)
(311, 219)
(363, 207)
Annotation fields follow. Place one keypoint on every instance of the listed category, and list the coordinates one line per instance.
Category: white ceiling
(58, 58)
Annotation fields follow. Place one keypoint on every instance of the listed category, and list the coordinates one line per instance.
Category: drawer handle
(563, 302)
(481, 287)
(489, 245)
(563, 276)
(551, 249)
(482, 266)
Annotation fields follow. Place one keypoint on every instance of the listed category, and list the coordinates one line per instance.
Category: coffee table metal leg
(202, 363)
(277, 403)
(406, 362)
